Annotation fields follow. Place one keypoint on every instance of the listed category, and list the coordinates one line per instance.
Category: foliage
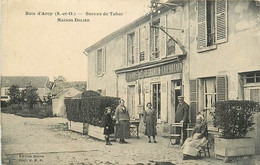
(39, 111)
(31, 96)
(90, 93)
(234, 117)
(94, 108)
(73, 109)
(89, 109)
(14, 93)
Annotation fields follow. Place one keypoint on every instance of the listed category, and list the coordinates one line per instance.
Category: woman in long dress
(193, 144)
(150, 121)
(122, 122)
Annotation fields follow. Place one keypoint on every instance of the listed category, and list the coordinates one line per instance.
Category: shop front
(159, 83)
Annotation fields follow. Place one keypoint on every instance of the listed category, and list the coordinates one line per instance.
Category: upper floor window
(131, 48)
(156, 39)
(252, 77)
(100, 62)
(212, 23)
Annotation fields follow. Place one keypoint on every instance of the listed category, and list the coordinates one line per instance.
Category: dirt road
(47, 141)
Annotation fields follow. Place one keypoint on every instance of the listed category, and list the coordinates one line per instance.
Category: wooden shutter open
(104, 59)
(222, 88)
(136, 53)
(164, 101)
(202, 24)
(221, 21)
(163, 37)
(193, 100)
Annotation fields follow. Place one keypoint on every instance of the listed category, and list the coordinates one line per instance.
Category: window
(209, 97)
(252, 77)
(155, 40)
(100, 62)
(156, 98)
(210, 93)
(170, 47)
(212, 23)
(131, 48)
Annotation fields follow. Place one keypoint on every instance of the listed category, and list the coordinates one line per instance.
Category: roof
(68, 92)
(24, 81)
(59, 86)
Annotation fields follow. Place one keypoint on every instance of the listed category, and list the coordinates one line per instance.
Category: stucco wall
(239, 54)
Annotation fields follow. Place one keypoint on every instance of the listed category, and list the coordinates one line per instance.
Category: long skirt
(192, 146)
(123, 129)
(150, 129)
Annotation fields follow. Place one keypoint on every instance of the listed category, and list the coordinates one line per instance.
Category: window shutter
(104, 60)
(221, 21)
(164, 101)
(193, 100)
(136, 45)
(163, 37)
(147, 41)
(202, 24)
(125, 52)
(96, 63)
(222, 88)
(151, 48)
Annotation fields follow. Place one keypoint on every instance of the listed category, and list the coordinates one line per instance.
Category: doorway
(131, 101)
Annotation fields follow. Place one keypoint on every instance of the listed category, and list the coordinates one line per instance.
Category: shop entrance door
(131, 101)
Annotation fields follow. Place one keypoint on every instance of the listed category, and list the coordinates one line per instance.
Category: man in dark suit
(182, 116)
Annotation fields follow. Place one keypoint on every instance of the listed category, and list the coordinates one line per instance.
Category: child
(108, 125)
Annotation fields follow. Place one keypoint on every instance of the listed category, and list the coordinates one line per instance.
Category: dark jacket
(121, 113)
(108, 124)
(182, 113)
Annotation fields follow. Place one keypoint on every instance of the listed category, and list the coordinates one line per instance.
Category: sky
(39, 45)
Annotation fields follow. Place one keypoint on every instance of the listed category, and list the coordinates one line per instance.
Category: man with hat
(182, 116)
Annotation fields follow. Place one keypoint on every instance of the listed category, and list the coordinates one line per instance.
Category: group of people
(123, 126)
(190, 145)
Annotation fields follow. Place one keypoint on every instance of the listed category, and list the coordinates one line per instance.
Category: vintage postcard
(161, 82)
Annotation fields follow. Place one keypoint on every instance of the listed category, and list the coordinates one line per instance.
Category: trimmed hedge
(94, 108)
(73, 109)
(234, 117)
(90, 109)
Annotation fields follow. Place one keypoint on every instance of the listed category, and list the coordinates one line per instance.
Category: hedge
(73, 109)
(90, 109)
(234, 117)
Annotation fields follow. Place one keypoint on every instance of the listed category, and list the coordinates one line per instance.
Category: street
(47, 141)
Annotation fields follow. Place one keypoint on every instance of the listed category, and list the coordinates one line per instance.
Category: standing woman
(122, 122)
(150, 121)
(108, 125)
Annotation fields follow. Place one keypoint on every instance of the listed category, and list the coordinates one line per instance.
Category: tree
(14, 93)
(31, 96)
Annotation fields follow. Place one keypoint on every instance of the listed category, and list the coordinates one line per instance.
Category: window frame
(131, 46)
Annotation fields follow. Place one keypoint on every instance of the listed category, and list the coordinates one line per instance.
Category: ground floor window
(156, 99)
(207, 97)
(251, 85)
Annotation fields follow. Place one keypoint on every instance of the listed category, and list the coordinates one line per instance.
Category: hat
(181, 96)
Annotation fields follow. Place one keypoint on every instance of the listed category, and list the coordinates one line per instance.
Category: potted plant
(234, 119)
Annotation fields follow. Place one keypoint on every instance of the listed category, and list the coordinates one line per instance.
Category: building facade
(205, 50)
(42, 83)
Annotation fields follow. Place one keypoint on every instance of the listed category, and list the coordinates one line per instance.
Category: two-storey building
(205, 50)
(144, 62)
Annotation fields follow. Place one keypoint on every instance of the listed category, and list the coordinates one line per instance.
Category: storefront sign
(155, 71)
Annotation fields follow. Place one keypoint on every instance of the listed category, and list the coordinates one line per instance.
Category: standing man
(182, 116)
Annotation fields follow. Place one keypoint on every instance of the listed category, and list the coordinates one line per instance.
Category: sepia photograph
(120, 82)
